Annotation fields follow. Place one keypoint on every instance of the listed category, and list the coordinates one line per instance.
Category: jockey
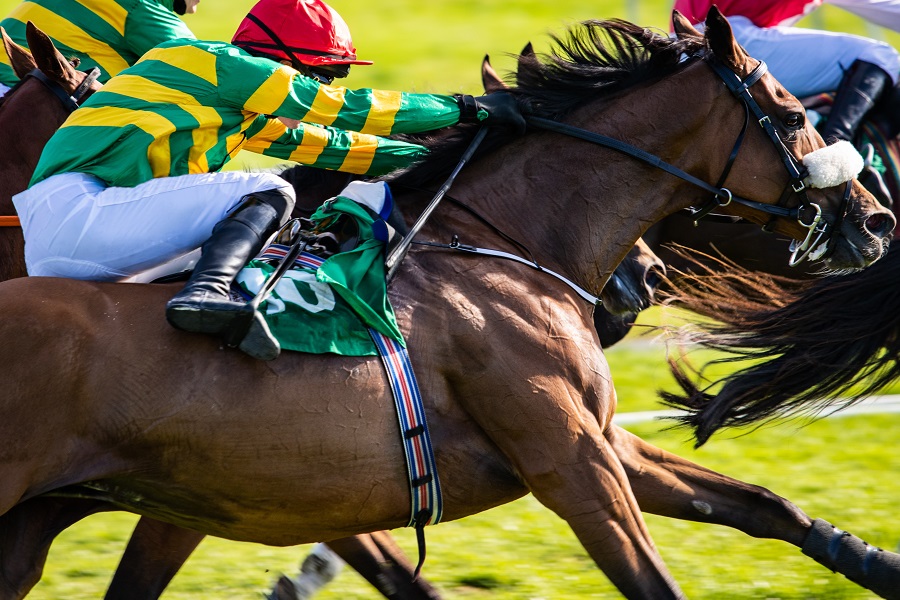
(130, 181)
(863, 72)
(108, 34)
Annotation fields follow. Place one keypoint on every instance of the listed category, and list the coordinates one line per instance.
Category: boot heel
(259, 341)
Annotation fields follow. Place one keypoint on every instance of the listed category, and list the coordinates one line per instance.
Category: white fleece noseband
(832, 165)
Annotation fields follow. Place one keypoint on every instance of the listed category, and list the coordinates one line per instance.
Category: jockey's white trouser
(76, 226)
(4, 89)
(810, 61)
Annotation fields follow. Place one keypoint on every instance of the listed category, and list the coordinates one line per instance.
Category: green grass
(837, 469)
(841, 469)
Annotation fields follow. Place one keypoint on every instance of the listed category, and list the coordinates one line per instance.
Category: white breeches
(810, 61)
(77, 227)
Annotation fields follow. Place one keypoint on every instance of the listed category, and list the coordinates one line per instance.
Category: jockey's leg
(859, 91)
(204, 305)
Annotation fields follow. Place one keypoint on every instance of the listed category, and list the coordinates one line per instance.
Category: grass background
(840, 469)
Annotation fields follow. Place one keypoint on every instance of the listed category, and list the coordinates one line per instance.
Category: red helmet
(306, 31)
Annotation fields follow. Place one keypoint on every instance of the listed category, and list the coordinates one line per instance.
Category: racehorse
(157, 549)
(576, 468)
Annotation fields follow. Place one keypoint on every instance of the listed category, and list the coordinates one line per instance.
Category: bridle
(69, 102)
(818, 229)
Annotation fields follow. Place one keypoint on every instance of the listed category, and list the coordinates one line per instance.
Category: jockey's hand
(498, 108)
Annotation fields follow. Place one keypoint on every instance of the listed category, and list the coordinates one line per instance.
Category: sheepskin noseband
(832, 165)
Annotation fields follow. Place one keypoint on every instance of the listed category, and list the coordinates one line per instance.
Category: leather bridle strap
(72, 102)
(655, 161)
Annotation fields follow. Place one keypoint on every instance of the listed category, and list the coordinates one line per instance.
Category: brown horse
(183, 442)
(157, 549)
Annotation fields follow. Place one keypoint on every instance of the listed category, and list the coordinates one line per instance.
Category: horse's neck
(26, 123)
(581, 207)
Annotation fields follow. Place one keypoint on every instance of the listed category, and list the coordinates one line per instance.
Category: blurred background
(840, 469)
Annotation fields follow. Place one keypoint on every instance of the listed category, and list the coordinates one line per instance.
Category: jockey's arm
(265, 87)
(332, 148)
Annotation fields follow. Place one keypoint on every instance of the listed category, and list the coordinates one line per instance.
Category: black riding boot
(887, 112)
(204, 305)
(859, 91)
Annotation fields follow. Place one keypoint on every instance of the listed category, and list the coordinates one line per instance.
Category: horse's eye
(794, 121)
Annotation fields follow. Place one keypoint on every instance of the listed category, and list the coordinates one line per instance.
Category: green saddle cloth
(328, 307)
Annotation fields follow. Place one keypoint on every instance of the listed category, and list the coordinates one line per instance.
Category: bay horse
(579, 468)
(157, 549)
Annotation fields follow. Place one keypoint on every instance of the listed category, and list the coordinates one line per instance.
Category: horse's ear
(489, 77)
(526, 55)
(682, 26)
(721, 39)
(49, 60)
(19, 56)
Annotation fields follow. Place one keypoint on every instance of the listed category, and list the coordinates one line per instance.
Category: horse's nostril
(880, 224)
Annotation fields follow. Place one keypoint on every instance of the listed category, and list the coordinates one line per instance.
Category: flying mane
(595, 58)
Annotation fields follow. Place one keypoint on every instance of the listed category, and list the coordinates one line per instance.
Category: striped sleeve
(335, 149)
(263, 86)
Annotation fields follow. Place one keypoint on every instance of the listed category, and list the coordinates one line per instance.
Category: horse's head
(781, 174)
(632, 286)
(45, 64)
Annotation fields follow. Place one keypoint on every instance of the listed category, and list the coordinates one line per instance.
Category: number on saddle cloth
(327, 302)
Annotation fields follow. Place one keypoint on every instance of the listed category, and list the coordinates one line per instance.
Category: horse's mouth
(855, 251)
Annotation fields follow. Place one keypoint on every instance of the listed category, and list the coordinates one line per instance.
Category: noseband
(806, 213)
(69, 103)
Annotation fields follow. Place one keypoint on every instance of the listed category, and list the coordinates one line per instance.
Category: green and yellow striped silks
(188, 106)
(109, 34)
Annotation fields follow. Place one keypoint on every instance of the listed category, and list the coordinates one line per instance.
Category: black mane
(595, 58)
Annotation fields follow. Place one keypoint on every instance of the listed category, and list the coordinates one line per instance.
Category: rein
(722, 196)
(69, 103)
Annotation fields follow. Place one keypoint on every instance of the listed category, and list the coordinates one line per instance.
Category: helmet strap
(179, 6)
(274, 37)
(288, 51)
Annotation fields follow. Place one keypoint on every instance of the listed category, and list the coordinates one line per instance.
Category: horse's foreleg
(668, 485)
(379, 559)
(153, 556)
(586, 485)
(26, 532)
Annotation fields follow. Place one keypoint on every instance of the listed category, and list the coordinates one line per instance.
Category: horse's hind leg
(375, 556)
(153, 556)
(26, 532)
(668, 485)
(379, 559)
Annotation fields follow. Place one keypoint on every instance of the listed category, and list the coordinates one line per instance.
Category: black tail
(809, 345)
